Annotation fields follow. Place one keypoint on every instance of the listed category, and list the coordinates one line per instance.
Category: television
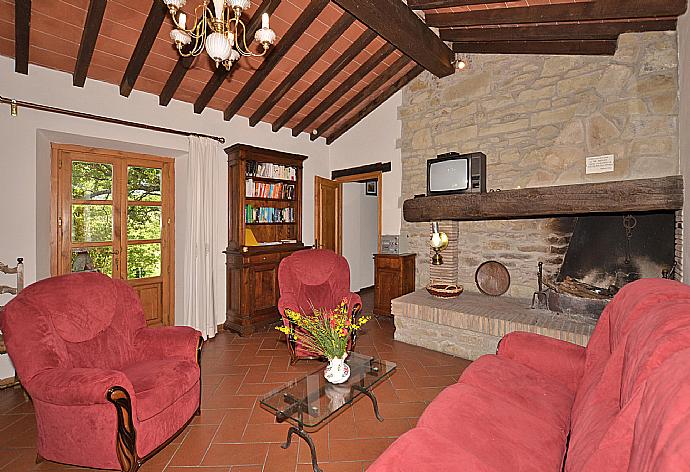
(456, 173)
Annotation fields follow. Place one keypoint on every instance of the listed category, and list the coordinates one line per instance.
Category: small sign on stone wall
(600, 164)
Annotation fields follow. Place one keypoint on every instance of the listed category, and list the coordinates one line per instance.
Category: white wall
(373, 140)
(684, 129)
(25, 156)
(360, 234)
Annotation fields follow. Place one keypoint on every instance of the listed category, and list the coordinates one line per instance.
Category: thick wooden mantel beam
(625, 196)
(396, 23)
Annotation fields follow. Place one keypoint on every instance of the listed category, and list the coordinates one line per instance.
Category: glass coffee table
(311, 401)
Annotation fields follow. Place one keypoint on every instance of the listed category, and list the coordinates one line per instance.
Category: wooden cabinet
(252, 266)
(394, 276)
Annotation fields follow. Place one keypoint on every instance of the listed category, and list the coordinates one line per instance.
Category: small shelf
(261, 199)
(269, 179)
(267, 224)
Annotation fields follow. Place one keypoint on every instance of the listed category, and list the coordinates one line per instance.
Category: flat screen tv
(456, 173)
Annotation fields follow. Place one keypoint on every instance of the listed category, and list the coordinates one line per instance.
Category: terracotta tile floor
(234, 434)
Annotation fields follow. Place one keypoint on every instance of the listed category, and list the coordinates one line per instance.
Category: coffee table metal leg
(304, 435)
(370, 394)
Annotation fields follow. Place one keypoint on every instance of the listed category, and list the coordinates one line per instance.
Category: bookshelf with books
(264, 227)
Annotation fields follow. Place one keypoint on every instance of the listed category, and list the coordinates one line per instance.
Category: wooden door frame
(168, 226)
(378, 176)
(338, 213)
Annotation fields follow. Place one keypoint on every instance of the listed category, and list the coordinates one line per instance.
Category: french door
(113, 212)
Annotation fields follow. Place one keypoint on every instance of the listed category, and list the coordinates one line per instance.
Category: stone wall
(537, 118)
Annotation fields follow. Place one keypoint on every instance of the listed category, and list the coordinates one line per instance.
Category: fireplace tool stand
(540, 299)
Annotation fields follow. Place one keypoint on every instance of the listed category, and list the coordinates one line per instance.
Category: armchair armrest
(76, 387)
(557, 359)
(178, 342)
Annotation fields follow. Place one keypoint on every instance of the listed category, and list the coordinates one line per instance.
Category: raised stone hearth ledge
(625, 196)
(472, 325)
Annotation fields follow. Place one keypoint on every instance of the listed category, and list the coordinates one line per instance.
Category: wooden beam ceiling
(598, 10)
(431, 4)
(343, 60)
(395, 22)
(144, 44)
(175, 79)
(92, 26)
(276, 54)
(22, 26)
(594, 47)
(300, 69)
(343, 88)
(220, 74)
(365, 93)
(557, 32)
(374, 104)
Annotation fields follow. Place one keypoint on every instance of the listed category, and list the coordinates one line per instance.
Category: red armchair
(316, 278)
(108, 391)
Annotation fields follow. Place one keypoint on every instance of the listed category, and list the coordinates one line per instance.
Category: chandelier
(218, 30)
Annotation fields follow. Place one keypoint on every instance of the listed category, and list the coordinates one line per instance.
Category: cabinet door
(387, 287)
(264, 286)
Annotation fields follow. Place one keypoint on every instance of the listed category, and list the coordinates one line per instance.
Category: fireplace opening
(606, 252)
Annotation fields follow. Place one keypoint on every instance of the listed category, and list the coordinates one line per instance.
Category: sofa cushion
(159, 383)
(424, 450)
(500, 433)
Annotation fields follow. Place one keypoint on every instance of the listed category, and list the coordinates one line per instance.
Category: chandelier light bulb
(241, 5)
(265, 19)
(182, 21)
(218, 46)
(219, 7)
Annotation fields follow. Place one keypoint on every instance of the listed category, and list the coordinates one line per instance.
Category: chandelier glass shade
(218, 29)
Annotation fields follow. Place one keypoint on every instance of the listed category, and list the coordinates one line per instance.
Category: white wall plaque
(600, 164)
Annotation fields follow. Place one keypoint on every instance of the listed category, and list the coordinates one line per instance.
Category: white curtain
(204, 299)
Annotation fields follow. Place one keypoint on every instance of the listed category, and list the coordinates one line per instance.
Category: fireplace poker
(540, 299)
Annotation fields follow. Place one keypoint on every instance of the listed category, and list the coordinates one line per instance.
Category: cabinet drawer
(264, 259)
(388, 262)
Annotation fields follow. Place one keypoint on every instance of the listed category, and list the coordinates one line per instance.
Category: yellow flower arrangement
(324, 332)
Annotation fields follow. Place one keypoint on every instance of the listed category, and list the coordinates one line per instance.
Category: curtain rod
(105, 119)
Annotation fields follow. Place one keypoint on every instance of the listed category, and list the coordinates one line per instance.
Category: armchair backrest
(75, 320)
(314, 277)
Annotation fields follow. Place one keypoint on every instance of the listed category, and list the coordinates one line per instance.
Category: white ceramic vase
(337, 370)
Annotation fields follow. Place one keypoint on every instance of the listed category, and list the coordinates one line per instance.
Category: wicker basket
(444, 290)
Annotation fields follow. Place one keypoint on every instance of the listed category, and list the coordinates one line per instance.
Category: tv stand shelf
(625, 196)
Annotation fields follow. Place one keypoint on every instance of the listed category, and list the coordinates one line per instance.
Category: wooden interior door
(114, 213)
(328, 214)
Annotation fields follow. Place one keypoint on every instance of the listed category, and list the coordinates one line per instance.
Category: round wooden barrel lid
(492, 278)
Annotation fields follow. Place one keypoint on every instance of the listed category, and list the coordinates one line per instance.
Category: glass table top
(310, 400)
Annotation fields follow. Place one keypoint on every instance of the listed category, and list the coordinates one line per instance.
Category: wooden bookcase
(252, 271)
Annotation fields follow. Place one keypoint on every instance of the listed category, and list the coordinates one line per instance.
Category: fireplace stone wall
(537, 118)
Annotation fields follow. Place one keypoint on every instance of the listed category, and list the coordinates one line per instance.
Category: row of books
(264, 190)
(268, 215)
(271, 171)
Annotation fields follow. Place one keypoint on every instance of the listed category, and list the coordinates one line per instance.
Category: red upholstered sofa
(107, 390)
(539, 404)
(316, 278)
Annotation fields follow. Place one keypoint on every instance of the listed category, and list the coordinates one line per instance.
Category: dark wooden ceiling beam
(394, 21)
(343, 60)
(588, 47)
(22, 27)
(141, 51)
(296, 31)
(220, 74)
(175, 79)
(557, 32)
(374, 104)
(344, 87)
(303, 67)
(599, 10)
(92, 26)
(431, 4)
(365, 93)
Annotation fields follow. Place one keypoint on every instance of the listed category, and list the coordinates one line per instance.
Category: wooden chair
(18, 270)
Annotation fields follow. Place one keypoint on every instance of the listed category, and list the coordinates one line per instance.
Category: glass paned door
(114, 214)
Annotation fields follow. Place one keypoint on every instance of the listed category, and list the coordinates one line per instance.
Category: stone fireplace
(537, 119)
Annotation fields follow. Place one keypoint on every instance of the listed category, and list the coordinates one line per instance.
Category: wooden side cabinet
(394, 276)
